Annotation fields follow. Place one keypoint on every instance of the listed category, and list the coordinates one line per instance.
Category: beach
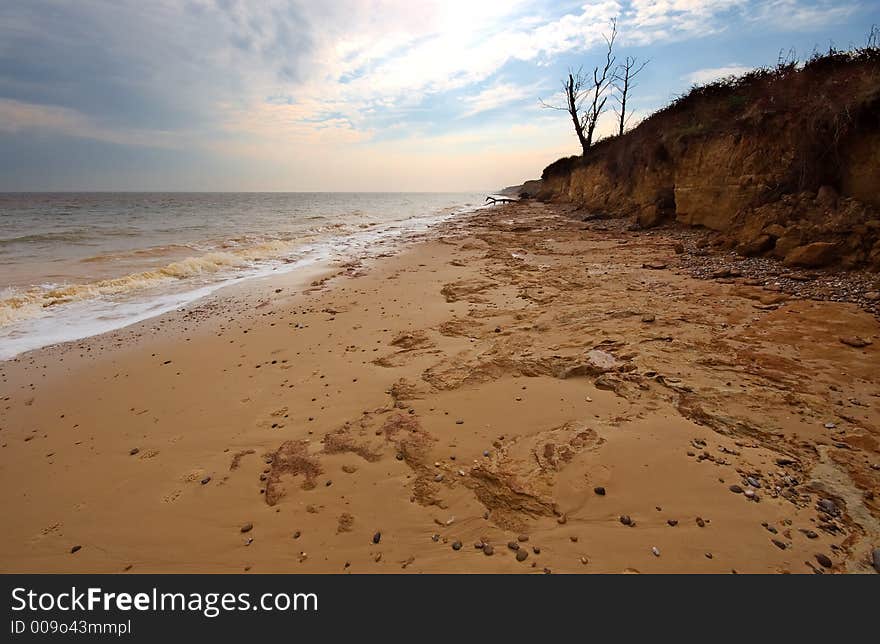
(511, 390)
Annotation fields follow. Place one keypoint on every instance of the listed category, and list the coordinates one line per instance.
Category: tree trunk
(573, 111)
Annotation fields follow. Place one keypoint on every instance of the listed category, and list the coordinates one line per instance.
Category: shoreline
(327, 415)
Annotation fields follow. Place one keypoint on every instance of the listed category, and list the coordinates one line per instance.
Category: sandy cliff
(783, 162)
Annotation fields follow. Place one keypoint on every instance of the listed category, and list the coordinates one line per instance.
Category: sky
(391, 95)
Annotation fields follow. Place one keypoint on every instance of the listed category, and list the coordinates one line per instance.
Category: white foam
(107, 310)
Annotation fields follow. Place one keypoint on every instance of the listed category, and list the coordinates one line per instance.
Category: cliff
(782, 162)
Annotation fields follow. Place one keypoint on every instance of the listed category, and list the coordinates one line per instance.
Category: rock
(377, 537)
(247, 527)
(756, 246)
(648, 318)
(656, 266)
(133, 451)
(456, 545)
(779, 544)
(599, 490)
(513, 545)
(855, 341)
(678, 248)
(736, 489)
(827, 197)
(701, 522)
(650, 216)
(812, 255)
(774, 230)
(824, 560)
(522, 538)
(75, 549)
(626, 520)
(672, 522)
(656, 551)
(205, 480)
(753, 481)
(785, 461)
(872, 296)
(875, 559)
(810, 534)
(828, 507)
(488, 550)
(521, 555)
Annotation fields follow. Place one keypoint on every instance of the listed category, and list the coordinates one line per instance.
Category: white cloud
(709, 74)
(498, 95)
(793, 15)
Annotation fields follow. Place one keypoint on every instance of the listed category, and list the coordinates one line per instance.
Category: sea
(74, 265)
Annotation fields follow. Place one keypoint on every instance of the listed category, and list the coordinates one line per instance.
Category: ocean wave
(21, 306)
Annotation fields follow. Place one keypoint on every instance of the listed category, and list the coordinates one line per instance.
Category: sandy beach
(517, 391)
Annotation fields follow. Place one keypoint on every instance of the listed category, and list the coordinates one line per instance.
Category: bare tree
(623, 82)
(585, 96)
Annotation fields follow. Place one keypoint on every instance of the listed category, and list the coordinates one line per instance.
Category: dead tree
(585, 96)
(623, 82)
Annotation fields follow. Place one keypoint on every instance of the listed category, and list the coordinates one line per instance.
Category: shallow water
(77, 264)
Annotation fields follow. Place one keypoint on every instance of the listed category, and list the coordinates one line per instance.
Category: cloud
(709, 74)
(795, 15)
(498, 95)
(16, 117)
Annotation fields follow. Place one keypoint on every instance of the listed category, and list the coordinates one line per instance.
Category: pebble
(810, 534)
(488, 550)
(456, 545)
(824, 560)
(708, 555)
(701, 522)
(672, 522)
(753, 481)
(656, 551)
(377, 537)
(133, 451)
(828, 506)
(626, 520)
(75, 549)
(521, 555)
(779, 544)
(522, 538)
(205, 480)
(875, 559)
(736, 489)
(513, 545)
(247, 527)
(599, 490)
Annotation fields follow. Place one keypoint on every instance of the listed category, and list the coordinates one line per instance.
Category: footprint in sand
(171, 498)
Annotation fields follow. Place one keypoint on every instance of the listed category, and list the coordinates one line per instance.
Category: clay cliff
(782, 162)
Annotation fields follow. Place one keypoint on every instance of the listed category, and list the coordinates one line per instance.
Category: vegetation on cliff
(779, 159)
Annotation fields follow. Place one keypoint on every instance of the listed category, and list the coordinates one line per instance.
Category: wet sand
(567, 395)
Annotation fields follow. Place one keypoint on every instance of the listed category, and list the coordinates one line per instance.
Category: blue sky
(390, 95)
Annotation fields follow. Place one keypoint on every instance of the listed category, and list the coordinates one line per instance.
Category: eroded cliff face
(784, 163)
